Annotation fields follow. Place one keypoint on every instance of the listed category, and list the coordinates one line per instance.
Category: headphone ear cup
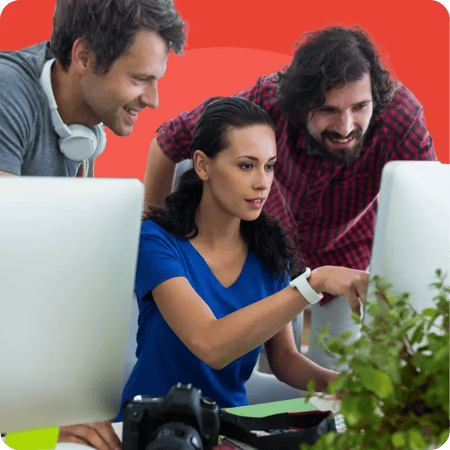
(80, 145)
(76, 142)
(101, 140)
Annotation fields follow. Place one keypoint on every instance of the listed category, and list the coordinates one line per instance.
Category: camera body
(182, 419)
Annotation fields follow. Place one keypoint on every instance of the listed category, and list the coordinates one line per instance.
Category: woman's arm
(293, 368)
(220, 341)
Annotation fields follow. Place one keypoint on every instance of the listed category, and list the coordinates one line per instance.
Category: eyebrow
(144, 76)
(254, 158)
(334, 108)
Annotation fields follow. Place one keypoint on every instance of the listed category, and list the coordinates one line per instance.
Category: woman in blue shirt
(212, 277)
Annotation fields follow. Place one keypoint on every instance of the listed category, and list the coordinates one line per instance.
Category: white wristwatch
(301, 283)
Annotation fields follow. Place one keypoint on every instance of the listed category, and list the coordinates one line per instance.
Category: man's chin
(338, 156)
(342, 156)
(121, 131)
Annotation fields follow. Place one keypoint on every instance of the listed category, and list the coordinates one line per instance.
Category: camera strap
(286, 430)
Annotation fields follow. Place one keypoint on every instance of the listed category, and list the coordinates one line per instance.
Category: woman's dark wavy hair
(263, 235)
(110, 27)
(326, 59)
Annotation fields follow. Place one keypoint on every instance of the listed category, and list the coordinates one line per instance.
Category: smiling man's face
(129, 86)
(340, 124)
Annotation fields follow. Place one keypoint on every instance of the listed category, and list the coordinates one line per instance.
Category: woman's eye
(246, 166)
(270, 167)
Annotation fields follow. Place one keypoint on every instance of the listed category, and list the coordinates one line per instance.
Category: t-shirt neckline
(212, 273)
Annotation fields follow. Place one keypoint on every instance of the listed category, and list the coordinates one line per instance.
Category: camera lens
(175, 436)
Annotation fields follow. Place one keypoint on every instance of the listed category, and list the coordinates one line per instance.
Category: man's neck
(67, 92)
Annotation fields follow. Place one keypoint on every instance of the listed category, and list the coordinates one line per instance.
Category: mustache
(334, 135)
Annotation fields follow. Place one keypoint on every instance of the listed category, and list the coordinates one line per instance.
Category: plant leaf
(416, 441)
(398, 439)
(377, 381)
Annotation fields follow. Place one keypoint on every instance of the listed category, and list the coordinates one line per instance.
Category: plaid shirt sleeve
(175, 136)
(407, 121)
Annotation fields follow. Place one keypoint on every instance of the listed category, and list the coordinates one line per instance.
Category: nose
(344, 123)
(149, 96)
(263, 180)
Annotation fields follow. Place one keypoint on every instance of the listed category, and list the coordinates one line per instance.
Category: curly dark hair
(110, 27)
(329, 58)
(264, 236)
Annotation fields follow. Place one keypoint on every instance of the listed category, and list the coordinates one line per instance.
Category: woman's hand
(341, 281)
(99, 435)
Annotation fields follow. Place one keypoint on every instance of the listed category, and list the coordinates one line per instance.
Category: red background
(230, 43)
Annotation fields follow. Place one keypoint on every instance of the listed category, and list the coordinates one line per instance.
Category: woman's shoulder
(152, 232)
(150, 227)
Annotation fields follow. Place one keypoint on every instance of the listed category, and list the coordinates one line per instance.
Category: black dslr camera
(181, 420)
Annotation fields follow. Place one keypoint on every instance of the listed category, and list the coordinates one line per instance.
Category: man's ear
(201, 164)
(83, 57)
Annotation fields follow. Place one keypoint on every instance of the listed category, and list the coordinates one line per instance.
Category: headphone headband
(76, 142)
(46, 82)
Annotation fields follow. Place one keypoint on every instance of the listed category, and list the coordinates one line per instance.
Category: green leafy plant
(395, 393)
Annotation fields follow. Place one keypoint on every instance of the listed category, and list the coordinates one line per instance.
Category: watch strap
(302, 285)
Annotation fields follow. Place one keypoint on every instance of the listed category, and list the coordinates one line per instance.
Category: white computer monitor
(68, 250)
(412, 236)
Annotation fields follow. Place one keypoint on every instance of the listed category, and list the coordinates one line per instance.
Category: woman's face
(240, 176)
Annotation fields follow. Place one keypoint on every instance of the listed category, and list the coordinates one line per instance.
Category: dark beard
(338, 157)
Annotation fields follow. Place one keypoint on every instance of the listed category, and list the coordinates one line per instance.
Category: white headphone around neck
(77, 142)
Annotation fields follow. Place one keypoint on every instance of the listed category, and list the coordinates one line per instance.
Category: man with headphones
(100, 68)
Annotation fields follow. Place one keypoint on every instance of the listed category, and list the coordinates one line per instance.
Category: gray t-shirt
(28, 142)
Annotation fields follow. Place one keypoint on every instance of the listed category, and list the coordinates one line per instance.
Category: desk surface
(265, 409)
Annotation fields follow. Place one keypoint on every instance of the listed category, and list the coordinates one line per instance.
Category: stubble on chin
(344, 157)
(340, 157)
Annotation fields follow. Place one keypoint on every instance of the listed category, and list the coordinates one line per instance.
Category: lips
(257, 202)
(341, 141)
(131, 115)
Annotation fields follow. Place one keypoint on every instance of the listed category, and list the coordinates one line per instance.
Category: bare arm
(220, 341)
(81, 170)
(7, 174)
(293, 368)
(158, 177)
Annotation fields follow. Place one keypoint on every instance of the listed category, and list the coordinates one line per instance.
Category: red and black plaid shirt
(329, 210)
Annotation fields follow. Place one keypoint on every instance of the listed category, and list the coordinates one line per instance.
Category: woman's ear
(201, 164)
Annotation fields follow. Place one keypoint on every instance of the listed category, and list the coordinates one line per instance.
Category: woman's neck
(216, 230)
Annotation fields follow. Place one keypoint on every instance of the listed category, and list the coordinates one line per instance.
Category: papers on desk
(329, 403)
(323, 403)
(230, 444)
(326, 403)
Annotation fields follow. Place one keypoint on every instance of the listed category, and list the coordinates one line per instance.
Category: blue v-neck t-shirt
(162, 359)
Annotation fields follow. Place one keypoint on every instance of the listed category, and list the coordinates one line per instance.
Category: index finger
(361, 287)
